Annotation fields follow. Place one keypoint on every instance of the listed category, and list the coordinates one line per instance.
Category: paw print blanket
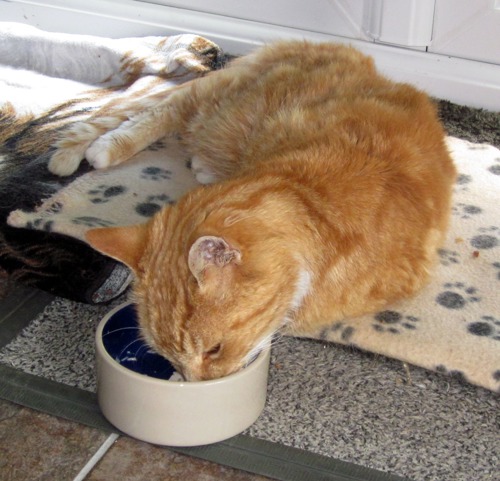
(452, 326)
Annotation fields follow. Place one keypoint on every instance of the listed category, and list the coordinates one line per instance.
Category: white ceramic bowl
(166, 412)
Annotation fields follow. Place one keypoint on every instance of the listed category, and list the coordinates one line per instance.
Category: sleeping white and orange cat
(327, 195)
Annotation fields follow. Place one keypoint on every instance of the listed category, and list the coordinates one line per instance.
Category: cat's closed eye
(213, 352)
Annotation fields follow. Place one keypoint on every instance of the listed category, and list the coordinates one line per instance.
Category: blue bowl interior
(122, 341)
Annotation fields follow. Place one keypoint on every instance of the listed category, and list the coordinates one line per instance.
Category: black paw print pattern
(55, 208)
(496, 265)
(463, 181)
(487, 238)
(487, 326)
(153, 204)
(457, 295)
(448, 257)
(466, 211)
(394, 322)
(91, 221)
(456, 374)
(40, 224)
(478, 147)
(495, 168)
(346, 332)
(155, 173)
(104, 193)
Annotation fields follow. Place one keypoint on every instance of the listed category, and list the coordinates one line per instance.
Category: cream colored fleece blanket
(452, 326)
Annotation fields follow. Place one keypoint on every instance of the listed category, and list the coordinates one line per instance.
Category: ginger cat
(331, 196)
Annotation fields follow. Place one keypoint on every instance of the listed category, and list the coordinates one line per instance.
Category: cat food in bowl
(140, 393)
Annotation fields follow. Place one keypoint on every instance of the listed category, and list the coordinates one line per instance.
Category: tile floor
(38, 447)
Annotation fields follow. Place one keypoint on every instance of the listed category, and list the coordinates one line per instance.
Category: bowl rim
(255, 364)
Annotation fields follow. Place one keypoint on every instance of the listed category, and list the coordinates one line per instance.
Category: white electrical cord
(96, 457)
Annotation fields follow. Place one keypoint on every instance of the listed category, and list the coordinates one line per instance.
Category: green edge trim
(18, 309)
(240, 452)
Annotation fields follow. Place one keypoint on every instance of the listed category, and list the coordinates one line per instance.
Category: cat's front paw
(201, 172)
(114, 147)
(71, 147)
(98, 155)
(65, 161)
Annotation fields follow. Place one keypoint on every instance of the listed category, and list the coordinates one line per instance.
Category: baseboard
(466, 82)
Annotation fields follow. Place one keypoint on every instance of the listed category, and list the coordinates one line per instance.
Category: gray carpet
(329, 400)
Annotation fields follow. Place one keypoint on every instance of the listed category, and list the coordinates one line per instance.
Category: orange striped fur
(333, 196)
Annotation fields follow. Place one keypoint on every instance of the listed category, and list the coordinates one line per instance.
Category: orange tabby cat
(333, 198)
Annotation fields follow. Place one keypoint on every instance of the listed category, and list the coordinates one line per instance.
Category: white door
(399, 22)
(467, 29)
(337, 17)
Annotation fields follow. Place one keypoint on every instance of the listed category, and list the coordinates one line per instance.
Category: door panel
(336, 17)
(467, 29)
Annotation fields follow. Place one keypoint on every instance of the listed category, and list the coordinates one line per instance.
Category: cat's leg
(131, 137)
(70, 150)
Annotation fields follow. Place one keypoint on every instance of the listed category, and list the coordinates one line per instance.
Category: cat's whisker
(142, 336)
(277, 339)
(127, 347)
(142, 351)
(119, 330)
(265, 343)
(141, 355)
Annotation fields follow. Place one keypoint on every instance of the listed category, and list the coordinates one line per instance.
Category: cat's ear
(210, 251)
(125, 244)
